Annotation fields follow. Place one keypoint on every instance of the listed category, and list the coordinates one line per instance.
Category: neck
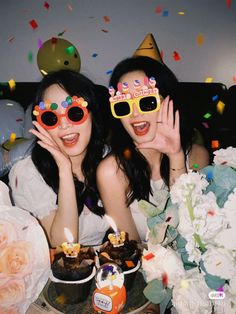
(154, 160)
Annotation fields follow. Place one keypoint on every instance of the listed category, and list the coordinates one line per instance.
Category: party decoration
(148, 48)
(58, 53)
(33, 24)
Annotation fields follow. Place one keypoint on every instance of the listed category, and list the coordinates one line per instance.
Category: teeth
(139, 124)
(69, 137)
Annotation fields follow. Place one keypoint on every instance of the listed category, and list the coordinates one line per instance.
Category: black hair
(136, 167)
(76, 84)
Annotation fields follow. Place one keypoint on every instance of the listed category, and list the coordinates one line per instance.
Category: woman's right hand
(47, 142)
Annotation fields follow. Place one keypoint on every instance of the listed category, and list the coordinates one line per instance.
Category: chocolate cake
(74, 268)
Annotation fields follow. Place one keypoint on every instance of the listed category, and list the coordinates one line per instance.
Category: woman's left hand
(167, 138)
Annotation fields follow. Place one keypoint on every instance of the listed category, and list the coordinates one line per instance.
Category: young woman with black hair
(57, 183)
(151, 146)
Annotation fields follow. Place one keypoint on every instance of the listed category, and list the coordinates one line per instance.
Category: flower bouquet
(190, 262)
(24, 257)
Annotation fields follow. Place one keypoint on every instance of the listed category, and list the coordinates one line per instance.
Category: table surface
(46, 303)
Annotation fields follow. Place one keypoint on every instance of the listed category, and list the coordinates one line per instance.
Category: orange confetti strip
(176, 56)
(200, 39)
(234, 79)
(129, 264)
(106, 19)
(215, 144)
(149, 256)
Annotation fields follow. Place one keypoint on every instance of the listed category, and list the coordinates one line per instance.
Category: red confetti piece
(33, 24)
(106, 19)
(164, 279)
(158, 9)
(215, 144)
(46, 5)
(228, 3)
(176, 56)
(234, 79)
(211, 212)
(104, 30)
(149, 256)
(162, 54)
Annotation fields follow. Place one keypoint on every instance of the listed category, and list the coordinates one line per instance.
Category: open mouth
(141, 128)
(70, 139)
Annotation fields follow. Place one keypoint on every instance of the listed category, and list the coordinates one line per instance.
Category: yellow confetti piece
(220, 107)
(209, 80)
(200, 39)
(43, 72)
(184, 284)
(12, 84)
(12, 137)
(181, 13)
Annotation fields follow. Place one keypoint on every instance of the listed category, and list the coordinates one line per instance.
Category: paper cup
(130, 276)
(74, 291)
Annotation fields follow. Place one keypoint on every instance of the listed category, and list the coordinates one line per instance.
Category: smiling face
(71, 138)
(140, 126)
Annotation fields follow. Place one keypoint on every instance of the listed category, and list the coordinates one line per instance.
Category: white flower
(189, 184)
(185, 227)
(227, 239)
(219, 262)
(230, 209)
(225, 156)
(226, 305)
(165, 261)
(232, 286)
(193, 251)
(208, 217)
(190, 295)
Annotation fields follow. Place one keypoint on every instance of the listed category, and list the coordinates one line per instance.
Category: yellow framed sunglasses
(145, 104)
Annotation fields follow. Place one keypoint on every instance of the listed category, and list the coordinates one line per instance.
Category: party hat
(148, 48)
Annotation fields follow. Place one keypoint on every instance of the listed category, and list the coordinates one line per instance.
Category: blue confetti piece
(94, 55)
(108, 72)
(215, 97)
(165, 13)
(209, 175)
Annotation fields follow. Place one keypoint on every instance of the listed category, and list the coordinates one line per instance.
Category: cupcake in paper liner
(24, 257)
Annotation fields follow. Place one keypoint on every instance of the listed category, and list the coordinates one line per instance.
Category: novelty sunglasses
(145, 104)
(76, 112)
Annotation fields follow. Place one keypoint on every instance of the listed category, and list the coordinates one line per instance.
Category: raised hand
(167, 139)
(47, 142)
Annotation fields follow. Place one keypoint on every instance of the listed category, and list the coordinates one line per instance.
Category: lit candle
(70, 248)
(117, 238)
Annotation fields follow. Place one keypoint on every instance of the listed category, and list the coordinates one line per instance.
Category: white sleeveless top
(30, 192)
(139, 218)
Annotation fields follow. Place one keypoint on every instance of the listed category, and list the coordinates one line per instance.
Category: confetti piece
(104, 30)
(205, 125)
(195, 166)
(228, 3)
(106, 19)
(207, 115)
(165, 13)
(164, 279)
(184, 284)
(108, 72)
(40, 43)
(12, 84)
(149, 256)
(70, 7)
(12, 137)
(127, 153)
(209, 80)
(200, 39)
(158, 9)
(46, 5)
(176, 56)
(70, 50)
(30, 56)
(129, 264)
(215, 144)
(220, 107)
(181, 13)
(10, 39)
(62, 33)
(94, 55)
(234, 79)
(215, 97)
(33, 24)
(61, 299)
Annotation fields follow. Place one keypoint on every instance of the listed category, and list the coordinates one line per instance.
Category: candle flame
(112, 223)
(68, 235)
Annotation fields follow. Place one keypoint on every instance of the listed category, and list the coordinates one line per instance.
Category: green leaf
(148, 209)
(155, 292)
(166, 302)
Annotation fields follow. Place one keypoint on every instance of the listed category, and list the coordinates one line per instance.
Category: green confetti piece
(207, 115)
(70, 50)
(30, 56)
(195, 166)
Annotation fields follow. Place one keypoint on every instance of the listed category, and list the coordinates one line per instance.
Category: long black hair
(136, 167)
(76, 84)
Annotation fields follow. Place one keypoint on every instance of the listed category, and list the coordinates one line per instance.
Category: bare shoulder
(199, 155)
(108, 169)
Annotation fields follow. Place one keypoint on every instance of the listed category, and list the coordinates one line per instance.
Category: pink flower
(11, 293)
(7, 233)
(15, 260)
